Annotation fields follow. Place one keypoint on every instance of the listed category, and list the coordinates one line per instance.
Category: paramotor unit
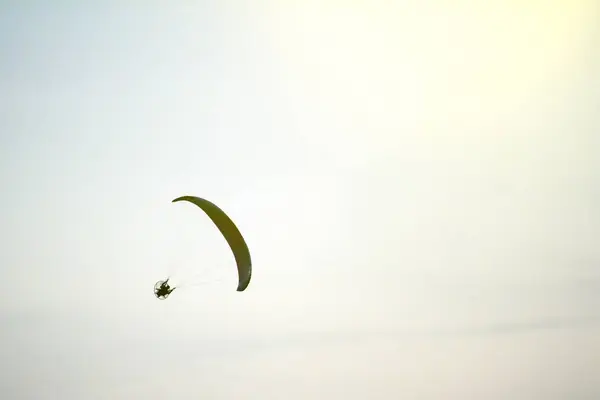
(162, 289)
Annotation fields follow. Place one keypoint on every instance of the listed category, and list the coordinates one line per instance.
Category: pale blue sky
(418, 183)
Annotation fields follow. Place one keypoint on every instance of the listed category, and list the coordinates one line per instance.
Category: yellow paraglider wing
(232, 235)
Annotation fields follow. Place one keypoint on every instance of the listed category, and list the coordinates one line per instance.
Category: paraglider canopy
(231, 234)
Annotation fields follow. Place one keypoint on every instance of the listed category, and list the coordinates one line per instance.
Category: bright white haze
(418, 182)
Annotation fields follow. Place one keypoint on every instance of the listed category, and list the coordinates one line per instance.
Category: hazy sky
(418, 183)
